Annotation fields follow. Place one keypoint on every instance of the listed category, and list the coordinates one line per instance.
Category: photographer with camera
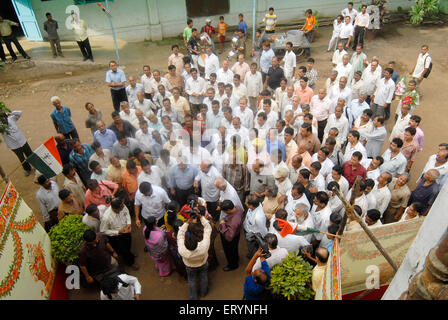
(194, 253)
(100, 193)
(277, 253)
(256, 281)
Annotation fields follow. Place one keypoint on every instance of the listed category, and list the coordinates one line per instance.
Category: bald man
(132, 89)
(227, 192)
(205, 180)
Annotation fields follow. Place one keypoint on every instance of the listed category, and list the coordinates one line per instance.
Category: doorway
(7, 12)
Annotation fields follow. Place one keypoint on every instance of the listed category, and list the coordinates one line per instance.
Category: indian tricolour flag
(46, 159)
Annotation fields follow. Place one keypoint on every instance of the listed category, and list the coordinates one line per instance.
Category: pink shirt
(241, 69)
(419, 137)
(320, 109)
(305, 95)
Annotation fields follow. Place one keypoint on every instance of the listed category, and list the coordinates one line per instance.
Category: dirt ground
(30, 90)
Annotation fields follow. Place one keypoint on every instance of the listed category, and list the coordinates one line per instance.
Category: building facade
(137, 20)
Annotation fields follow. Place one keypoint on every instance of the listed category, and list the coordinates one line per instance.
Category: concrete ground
(28, 86)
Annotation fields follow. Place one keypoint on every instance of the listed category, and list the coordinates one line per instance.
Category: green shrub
(66, 238)
(423, 9)
(3, 109)
(292, 279)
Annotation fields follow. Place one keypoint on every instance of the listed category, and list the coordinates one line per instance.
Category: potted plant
(66, 238)
(292, 279)
(423, 9)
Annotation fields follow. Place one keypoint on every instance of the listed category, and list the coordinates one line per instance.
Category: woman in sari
(157, 244)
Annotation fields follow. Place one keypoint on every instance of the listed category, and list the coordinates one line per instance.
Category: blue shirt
(106, 140)
(276, 145)
(242, 26)
(266, 60)
(253, 290)
(182, 179)
(117, 76)
(63, 120)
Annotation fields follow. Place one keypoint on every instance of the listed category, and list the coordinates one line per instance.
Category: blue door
(25, 13)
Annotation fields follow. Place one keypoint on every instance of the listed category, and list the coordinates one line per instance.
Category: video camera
(263, 245)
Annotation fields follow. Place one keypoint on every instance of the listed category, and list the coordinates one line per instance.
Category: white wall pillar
(155, 28)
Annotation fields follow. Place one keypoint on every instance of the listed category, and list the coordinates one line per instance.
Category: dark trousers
(122, 245)
(231, 250)
(22, 153)
(309, 37)
(182, 195)
(55, 45)
(193, 275)
(359, 37)
(320, 129)
(13, 39)
(117, 97)
(71, 135)
(2, 52)
(211, 208)
(86, 51)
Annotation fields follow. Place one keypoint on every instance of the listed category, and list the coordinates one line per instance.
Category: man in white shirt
(132, 89)
(214, 116)
(278, 254)
(381, 192)
(340, 91)
(438, 161)
(355, 108)
(422, 66)
(194, 87)
(326, 164)
(347, 30)
(145, 105)
(116, 224)
(394, 162)
(245, 114)
(254, 223)
(339, 121)
(210, 96)
(402, 121)
(144, 136)
(128, 114)
(344, 67)
(290, 242)
(271, 116)
(338, 54)
(228, 192)
(151, 174)
(150, 201)
(289, 62)
(320, 107)
(354, 145)
(254, 85)
(376, 138)
(321, 213)
(48, 198)
(164, 163)
(383, 94)
(224, 74)
(362, 21)
(370, 76)
(295, 196)
(349, 11)
(157, 80)
(239, 89)
(211, 63)
(207, 177)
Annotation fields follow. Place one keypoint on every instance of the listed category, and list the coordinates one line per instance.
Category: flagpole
(16, 168)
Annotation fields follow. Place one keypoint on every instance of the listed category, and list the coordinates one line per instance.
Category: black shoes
(229, 268)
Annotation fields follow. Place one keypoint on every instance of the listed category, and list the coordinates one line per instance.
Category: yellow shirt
(270, 20)
(5, 27)
(113, 174)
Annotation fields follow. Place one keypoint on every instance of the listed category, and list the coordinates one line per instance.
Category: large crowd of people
(251, 150)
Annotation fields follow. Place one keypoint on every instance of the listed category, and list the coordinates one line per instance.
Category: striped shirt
(81, 161)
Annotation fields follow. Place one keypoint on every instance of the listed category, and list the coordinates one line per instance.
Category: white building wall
(137, 20)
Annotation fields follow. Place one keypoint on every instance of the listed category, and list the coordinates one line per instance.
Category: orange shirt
(222, 28)
(130, 182)
(310, 22)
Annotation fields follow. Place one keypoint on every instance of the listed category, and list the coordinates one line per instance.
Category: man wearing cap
(210, 30)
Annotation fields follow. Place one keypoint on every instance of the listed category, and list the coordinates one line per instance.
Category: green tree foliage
(66, 238)
(423, 9)
(3, 110)
(292, 279)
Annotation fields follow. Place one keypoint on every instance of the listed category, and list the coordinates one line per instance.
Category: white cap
(208, 20)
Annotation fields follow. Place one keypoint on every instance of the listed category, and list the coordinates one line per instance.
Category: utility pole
(107, 12)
